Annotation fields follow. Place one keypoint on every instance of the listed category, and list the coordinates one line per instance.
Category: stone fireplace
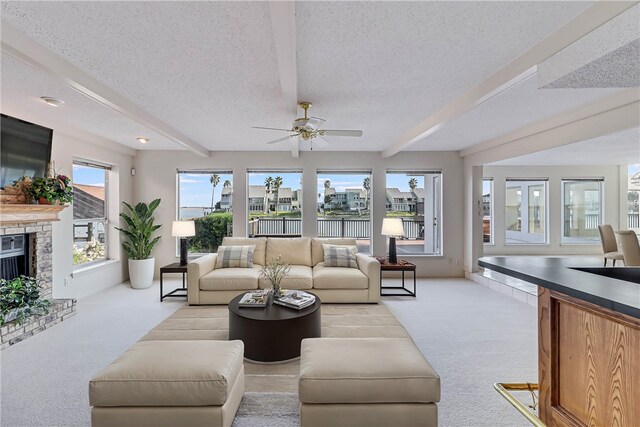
(27, 249)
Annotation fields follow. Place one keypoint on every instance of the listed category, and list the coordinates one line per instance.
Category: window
(206, 196)
(344, 200)
(487, 210)
(416, 198)
(274, 203)
(581, 210)
(633, 197)
(526, 211)
(90, 220)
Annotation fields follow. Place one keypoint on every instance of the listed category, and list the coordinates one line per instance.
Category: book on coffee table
(255, 299)
(295, 299)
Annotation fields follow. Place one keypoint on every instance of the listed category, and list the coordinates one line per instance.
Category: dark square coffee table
(273, 333)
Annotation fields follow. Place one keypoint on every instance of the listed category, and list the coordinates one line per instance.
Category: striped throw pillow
(340, 256)
(235, 256)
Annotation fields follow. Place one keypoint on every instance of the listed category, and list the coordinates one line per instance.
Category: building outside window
(633, 198)
(344, 201)
(274, 202)
(581, 210)
(206, 197)
(90, 214)
(487, 210)
(416, 198)
(526, 211)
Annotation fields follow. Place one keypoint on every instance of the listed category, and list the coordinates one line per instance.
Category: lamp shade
(183, 229)
(392, 227)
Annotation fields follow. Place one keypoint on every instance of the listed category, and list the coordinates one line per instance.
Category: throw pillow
(235, 256)
(340, 256)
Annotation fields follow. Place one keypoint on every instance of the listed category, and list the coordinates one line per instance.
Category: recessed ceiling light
(143, 140)
(52, 101)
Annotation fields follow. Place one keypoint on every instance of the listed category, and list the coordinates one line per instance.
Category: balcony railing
(356, 228)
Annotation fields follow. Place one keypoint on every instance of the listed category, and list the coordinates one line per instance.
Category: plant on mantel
(54, 190)
(20, 298)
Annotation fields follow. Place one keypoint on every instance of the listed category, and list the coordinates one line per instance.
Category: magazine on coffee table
(295, 299)
(255, 299)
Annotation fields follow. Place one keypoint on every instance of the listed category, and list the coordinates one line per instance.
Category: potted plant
(20, 298)
(140, 243)
(51, 190)
(274, 271)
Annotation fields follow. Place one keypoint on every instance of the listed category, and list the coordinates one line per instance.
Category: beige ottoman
(170, 383)
(366, 382)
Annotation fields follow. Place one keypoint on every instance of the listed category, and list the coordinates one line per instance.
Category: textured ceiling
(620, 148)
(22, 87)
(519, 106)
(209, 69)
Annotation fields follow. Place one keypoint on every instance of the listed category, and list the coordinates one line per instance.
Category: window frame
(492, 227)
(438, 210)
(205, 171)
(545, 182)
(601, 188)
(105, 219)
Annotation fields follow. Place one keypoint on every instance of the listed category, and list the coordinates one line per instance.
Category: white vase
(141, 272)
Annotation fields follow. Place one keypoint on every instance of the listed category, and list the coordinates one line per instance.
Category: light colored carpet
(472, 336)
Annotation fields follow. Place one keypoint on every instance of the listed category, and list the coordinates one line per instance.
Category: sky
(88, 176)
(195, 189)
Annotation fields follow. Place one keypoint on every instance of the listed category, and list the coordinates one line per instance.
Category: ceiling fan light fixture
(54, 102)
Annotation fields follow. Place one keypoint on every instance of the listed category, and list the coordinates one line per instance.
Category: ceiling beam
(283, 27)
(589, 20)
(19, 45)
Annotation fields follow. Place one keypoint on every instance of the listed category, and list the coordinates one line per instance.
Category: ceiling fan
(308, 129)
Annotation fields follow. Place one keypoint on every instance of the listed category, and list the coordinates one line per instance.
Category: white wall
(65, 150)
(156, 177)
(612, 206)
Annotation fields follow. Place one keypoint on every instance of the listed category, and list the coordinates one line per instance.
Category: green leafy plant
(140, 228)
(55, 190)
(274, 271)
(20, 298)
(210, 230)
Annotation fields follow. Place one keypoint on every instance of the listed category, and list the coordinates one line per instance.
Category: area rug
(338, 321)
(268, 409)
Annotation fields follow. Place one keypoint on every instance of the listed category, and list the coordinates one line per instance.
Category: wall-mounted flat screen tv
(25, 149)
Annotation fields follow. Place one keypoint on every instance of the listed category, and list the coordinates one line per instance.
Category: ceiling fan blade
(281, 139)
(260, 127)
(343, 132)
(314, 123)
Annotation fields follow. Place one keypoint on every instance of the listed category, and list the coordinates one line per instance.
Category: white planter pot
(141, 272)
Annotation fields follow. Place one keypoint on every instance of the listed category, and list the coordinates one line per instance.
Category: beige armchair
(609, 244)
(630, 247)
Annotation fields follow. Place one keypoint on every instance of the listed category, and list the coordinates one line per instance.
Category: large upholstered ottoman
(170, 383)
(366, 382)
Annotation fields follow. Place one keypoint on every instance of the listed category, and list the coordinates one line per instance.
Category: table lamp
(392, 228)
(183, 229)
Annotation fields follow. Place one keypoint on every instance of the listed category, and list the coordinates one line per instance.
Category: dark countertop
(557, 274)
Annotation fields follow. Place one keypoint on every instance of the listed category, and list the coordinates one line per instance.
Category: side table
(174, 268)
(399, 266)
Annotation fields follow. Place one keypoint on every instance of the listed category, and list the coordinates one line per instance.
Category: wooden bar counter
(588, 339)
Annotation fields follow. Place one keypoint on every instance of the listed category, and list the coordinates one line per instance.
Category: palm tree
(268, 184)
(413, 183)
(366, 184)
(227, 184)
(214, 180)
(277, 183)
(327, 185)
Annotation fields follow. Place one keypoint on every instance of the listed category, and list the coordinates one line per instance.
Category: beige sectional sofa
(208, 285)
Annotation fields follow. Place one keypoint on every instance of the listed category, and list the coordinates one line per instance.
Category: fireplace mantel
(26, 214)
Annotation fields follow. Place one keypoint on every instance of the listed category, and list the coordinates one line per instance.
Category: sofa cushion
(299, 277)
(365, 370)
(340, 256)
(228, 279)
(260, 242)
(169, 373)
(294, 251)
(338, 278)
(235, 256)
(317, 252)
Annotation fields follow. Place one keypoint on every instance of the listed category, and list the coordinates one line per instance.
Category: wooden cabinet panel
(589, 364)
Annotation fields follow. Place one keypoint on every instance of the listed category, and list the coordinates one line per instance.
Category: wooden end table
(179, 292)
(399, 266)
